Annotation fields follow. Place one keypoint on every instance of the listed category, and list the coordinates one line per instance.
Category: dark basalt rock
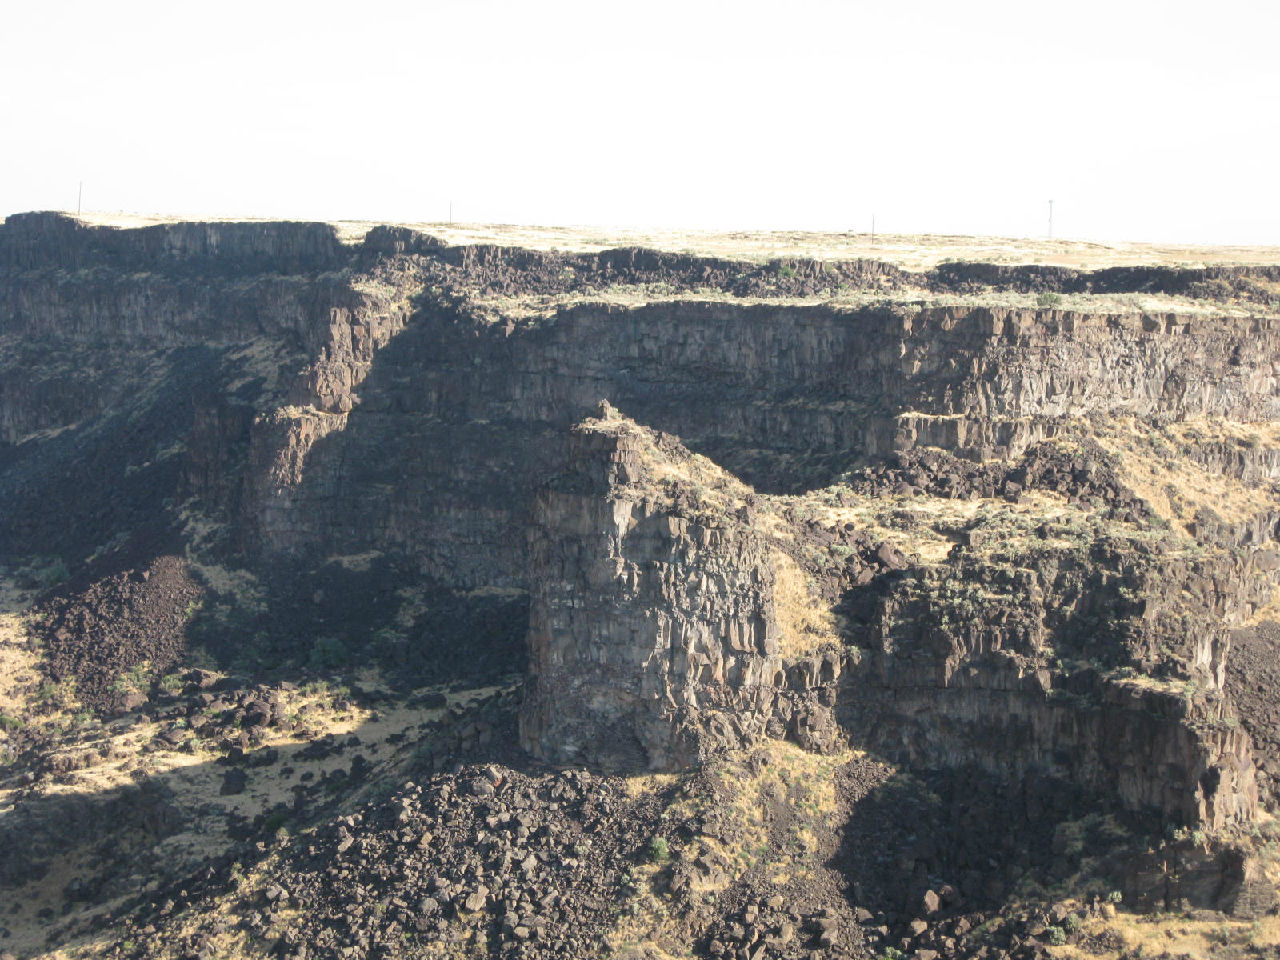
(659, 637)
(368, 438)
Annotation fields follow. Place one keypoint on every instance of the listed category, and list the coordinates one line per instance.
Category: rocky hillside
(375, 597)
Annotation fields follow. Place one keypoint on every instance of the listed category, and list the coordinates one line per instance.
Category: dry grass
(916, 526)
(638, 932)
(793, 777)
(805, 622)
(355, 562)
(1154, 464)
(532, 307)
(15, 597)
(715, 491)
(262, 359)
(1199, 430)
(746, 790)
(241, 584)
(189, 772)
(1267, 612)
(927, 528)
(1161, 934)
(19, 666)
(647, 784)
(27, 698)
(813, 773)
(27, 933)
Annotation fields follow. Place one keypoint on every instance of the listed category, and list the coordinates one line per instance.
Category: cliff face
(673, 618)
(665, 623)
(909, 532)
(787, 398)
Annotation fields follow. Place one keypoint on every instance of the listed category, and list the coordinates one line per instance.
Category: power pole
(451, 212)
(873, 229)
(79, 197)
(1050, 219)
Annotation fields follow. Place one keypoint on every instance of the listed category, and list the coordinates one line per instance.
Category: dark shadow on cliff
(1253, 682)
(428, 485)
(981, 840)
(459, 420)
(938, 846)
(386, 616)
(112, 479)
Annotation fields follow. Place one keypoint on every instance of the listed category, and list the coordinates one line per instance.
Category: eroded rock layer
(929, 515)
(666, 620)
(676, 614)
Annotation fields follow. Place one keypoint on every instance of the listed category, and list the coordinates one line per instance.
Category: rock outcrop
(365, 361)
(667, 622)
(676, 613)
(929, 551)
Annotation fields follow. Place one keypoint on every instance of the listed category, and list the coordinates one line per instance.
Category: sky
(1155, 121)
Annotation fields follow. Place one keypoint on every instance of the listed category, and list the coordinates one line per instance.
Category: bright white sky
(1141, 120)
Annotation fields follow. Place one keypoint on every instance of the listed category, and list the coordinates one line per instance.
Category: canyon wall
(362, 363)
(666, 623)
(672, 619)
(289, 398)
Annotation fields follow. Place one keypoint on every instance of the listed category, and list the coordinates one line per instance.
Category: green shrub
(60, 694)
(1056, 935)
(659, 852)
(171, 682)
(328, 653)
(1048, 300)
(274, 824)
(54, 574)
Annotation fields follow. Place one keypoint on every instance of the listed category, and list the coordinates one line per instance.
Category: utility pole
(873, 229)
(1050, 219)
(450, 212)
(79, 197)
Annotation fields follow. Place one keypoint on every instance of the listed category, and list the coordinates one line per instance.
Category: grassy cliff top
(910, 251)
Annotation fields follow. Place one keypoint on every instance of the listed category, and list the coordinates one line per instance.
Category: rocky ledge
(677, 614)
(798, 554)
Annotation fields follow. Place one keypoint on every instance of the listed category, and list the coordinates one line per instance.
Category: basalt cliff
(736, 609)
